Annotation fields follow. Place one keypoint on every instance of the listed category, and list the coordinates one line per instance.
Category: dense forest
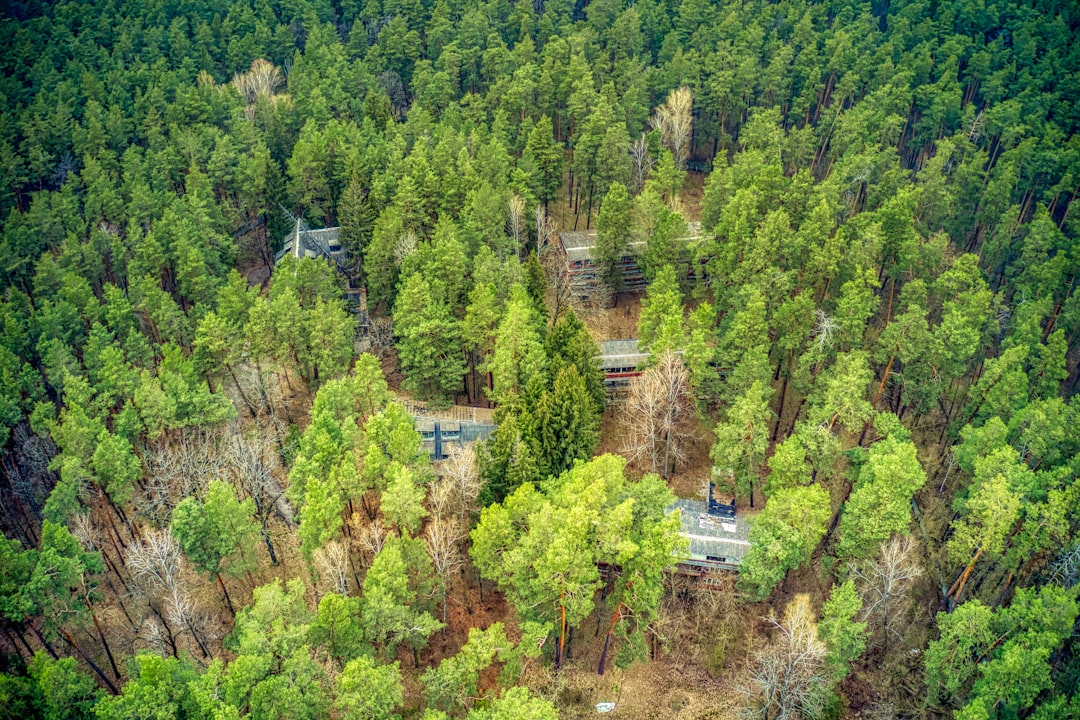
(215, 498)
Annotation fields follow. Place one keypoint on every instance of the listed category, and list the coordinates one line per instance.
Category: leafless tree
(463, 473)
(659, 414)
(157, 565)
(255, 462)
(406, 245)
(788, 679)
(333, 560)
(263, 387)
(643, 162)
(441, 497)
(264, 78)
(176, 469)
(1065, 570)
(155, 561)
(184, 612)
(380, 335)
(884, 583)
(29, 471)
(546, 230)
(823, 330)
(370, 536)
(553, 262)
(515, 222)
(442, 536)
(153, 635)
(675, 121)
(261, 81)
(83, 529)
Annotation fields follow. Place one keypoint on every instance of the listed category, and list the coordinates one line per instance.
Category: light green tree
(542, 548)
(845, 637)
(783, 537)
(366, 691)
(516, 704)
(613, 234)
(880, 504)
(454, 683)
(392, 609)
(429, 342)
(661, 326)
(742, 439)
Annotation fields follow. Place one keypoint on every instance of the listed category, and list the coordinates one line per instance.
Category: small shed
(621, 360)
(579, 248)
(304, 242)
(438, 435)
(716, 540)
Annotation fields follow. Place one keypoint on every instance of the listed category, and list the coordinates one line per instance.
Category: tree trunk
(105, 644)
(14, 645)
(44, 643)
(269, 547)
(958, 586)
(198, 641)
(560, 648)
(247, 402)
(228, 600)
(91, 663)
(607, 640)
(168, 630)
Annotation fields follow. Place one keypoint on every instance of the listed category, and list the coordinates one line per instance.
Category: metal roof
(578, 245)
(621, 353)
(312, 243)
(711, 536)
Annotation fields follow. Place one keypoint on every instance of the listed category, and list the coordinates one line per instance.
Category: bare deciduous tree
(379, 335)
(643, 162)
(462, 473)
(263, 78)
(155, 561)
(370, 536)
(442, 536)
(176, 469)
(263, 387)
(515, 222)
(884, 583)
(546, 230)
(255, 461)
(406, 245)
(333, 560)
(659, 412)
(675, 121)
(553, 262)
(441, 497)
(788, 679)
(83, 530)
(157, 565)
(824, 329)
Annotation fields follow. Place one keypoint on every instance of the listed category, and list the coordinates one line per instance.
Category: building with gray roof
(716, 541)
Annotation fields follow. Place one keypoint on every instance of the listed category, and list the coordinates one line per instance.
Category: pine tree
(429, 342)
(568, 423)
(543, 161)
(613, 235)
(660, 326)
